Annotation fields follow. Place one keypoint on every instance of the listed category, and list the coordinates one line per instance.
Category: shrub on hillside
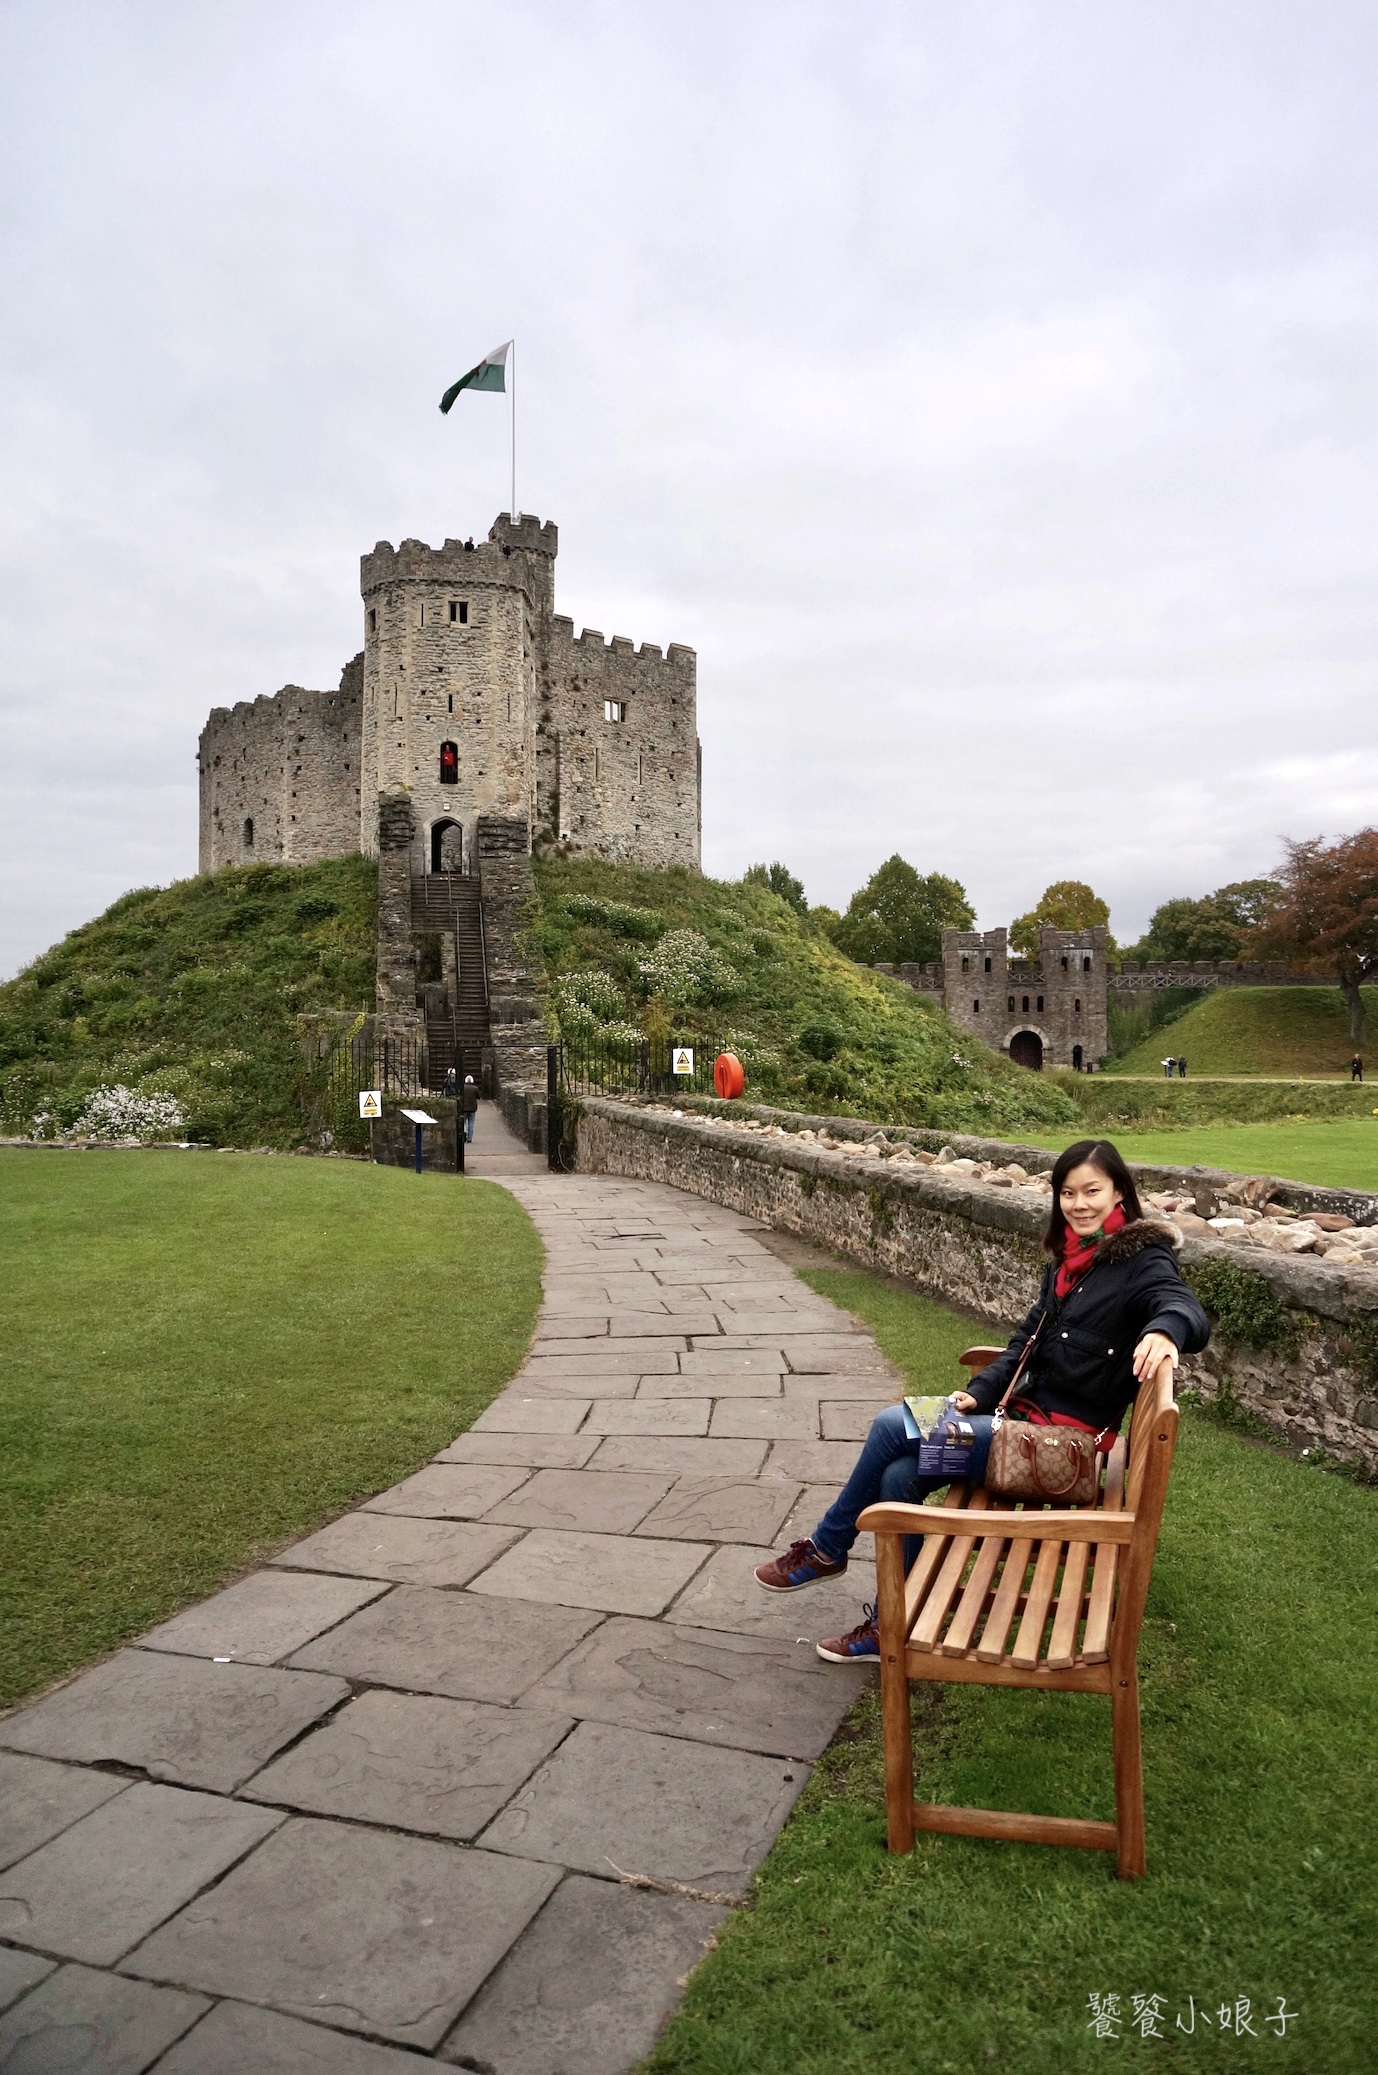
(685, 969)
(619, 916)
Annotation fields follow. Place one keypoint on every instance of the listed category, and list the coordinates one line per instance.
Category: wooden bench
(1023, 1595)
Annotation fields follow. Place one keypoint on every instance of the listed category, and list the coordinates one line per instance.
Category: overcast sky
(987, 393)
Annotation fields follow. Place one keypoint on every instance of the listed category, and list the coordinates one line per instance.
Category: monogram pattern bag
(1061, 1464)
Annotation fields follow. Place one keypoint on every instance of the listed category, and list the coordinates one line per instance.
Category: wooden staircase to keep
(447, 904)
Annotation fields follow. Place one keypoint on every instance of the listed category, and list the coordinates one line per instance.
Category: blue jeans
(888, 1468)
(469, 1128)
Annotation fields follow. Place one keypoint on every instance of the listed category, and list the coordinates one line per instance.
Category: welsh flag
(491, 373)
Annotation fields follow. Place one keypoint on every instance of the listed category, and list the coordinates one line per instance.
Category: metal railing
(597, 1064)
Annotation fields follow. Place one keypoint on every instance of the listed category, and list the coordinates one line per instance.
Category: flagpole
(512, 415)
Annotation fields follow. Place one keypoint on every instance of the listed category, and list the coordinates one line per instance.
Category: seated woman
(1115, 1306)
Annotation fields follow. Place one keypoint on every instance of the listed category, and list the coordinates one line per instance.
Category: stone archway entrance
(447, 846)
(1026, 1049)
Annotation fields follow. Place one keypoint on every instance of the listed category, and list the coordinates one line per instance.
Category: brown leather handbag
(1061, 1464)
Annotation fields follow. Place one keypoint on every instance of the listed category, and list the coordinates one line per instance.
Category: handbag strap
(1023, 1363)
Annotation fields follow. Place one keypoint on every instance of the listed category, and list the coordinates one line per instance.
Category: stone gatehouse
(476, 698)
(1044, 1011)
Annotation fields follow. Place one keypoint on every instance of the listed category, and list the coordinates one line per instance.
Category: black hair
(1089, 1152)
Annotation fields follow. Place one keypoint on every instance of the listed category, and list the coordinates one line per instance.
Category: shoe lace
(798, 1552)
(864, 1626)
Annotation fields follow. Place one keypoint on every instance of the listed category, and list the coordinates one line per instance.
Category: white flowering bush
(588, 1000)
(121, 1112)
(684, 968)
(619, 916)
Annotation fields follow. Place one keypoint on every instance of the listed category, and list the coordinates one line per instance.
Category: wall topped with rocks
(962, 1220)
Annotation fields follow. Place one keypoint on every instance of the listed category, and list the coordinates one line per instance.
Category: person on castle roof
(1129, 1311)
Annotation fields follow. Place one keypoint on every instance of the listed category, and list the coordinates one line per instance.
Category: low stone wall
(977, 1247)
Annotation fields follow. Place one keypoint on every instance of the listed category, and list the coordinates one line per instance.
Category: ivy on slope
(191, 991)
(812, 1028)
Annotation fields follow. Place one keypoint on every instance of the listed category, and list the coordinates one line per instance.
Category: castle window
(449, 763)
(1086, 965)
(372, 621)
(1040, 1004)
(614, 709)
(420, 615)
(1025, 1010)
(976, 1008)
(249, 832)
(1011, 1001)
(966, 965)
(987, 965)
(450, 702)
(459, 612)
(638, 768)
(1064, 965)
(1076, 1006)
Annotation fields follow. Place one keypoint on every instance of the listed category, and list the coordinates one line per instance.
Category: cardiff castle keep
(474, 697)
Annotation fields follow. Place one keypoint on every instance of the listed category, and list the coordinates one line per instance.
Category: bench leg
(1129, 1777)
(894, 1694)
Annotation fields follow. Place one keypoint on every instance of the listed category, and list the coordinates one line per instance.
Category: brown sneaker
(860, 1642)
(802, 1564)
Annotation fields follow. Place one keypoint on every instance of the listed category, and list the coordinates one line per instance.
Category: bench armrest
(1079, 1524)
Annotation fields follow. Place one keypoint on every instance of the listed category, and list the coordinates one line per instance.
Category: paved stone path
(378, 1800)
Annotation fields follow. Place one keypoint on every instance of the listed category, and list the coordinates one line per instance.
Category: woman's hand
(962, 1401)
(1152, 1349)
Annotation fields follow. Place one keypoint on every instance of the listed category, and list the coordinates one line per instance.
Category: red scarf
(1078, 1253)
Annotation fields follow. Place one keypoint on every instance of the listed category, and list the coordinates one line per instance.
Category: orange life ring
(729, 1075)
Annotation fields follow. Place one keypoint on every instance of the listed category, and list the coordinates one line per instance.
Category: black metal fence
(599, 1064)
(330, 1086)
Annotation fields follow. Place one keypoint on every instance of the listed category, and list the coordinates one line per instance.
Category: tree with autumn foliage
(1066, 904)
(1329, 915)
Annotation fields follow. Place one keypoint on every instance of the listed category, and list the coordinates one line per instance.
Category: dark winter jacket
(468, 1099)
(1084, 1361)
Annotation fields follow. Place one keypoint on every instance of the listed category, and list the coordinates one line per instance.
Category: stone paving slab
(554, 1387)
(179, 1719)
(530, 1451)
(515, 1414)
(796, 1323)
(789, 1419)
(446, 1491)
(559, 1327)
(626, 1348)
(850, 1421)
(604, 1502)
(805, 1514)
(95, 1891)
(352, 1927)
(643, 1360)
(751, 1693)
(633, 1325)
(263, 1617)
(19, 1972)
(725, 1595)
(81, 2019)
(456, 1643)
(655, 1416)
(39, 1800)
(622, 1800)
(237, 2039)
(710, 1362)
(414, 1552)
(613, 1573)
(813, 1462)
(587, 1985)
(684, 1455)
(766, 1385)
(722, 1509)
(874, 1389)
(849, 1353)
(413, 1762)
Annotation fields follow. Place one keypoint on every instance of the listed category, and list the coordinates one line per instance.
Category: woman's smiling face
(1087, 1198)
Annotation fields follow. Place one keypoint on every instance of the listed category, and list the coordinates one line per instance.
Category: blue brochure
(942, 1439)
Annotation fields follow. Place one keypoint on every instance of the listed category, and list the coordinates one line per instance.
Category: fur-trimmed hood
(1131, 1239)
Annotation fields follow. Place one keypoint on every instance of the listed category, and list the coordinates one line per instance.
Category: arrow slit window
(449, 763)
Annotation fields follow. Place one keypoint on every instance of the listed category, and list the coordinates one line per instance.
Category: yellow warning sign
(684, 1059)
(370, 1102)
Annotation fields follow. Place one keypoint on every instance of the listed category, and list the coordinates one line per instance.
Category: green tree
(1066, 904)
(780, 880)
(898, 916)
(1221, 925)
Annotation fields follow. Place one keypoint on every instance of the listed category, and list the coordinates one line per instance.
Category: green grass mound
(1271, 1031)
(1109, 1102)
(1339, 1155)
(1259, 1666)
(186, 997)
(209, 1354)
(734, 961)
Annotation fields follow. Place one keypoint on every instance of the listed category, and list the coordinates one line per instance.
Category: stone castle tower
(474, 697)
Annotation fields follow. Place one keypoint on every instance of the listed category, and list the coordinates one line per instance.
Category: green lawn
(1340, 1155)
(1256, 1030)
(1260, 1671)
(208, 1354)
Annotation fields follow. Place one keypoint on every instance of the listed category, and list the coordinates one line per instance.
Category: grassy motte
(208, 1354)
(1259, 1662)
(1340, 1155)
(812, 1028)
(1269, 1031)
(1107, 1101)
(193, 991)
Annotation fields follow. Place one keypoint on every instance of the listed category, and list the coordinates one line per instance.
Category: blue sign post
(420, 1119)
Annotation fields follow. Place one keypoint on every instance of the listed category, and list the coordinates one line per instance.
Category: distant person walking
(1169, 1067)
(1356, 1068)
(1182, 1067)
(469, 1104)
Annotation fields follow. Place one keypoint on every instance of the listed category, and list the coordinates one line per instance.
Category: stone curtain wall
(507, 892)
(1127, 980)
(976, 1246)
(290, 763)
(623, 789)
